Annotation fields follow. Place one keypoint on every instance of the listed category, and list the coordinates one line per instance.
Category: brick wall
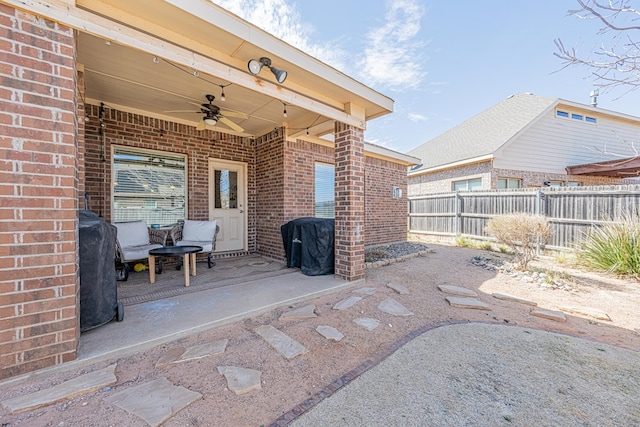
(270, 190)
(38, 210)
(385, 217)
(349, 182)
(133, 130)
(442, 181)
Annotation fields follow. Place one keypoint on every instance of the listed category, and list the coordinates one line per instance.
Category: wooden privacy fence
(571, 211)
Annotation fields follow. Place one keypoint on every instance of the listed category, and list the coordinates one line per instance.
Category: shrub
(614, 247)
(522, 233)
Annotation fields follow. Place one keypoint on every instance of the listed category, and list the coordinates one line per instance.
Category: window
(562, 113)
(468, 185)
(509, 183)
(149, 186)
(325, 193)
(590, 119)
(576, 116)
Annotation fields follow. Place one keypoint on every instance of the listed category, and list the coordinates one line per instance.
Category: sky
(441, 61)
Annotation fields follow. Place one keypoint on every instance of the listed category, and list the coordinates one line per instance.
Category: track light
(256, 65)
(284, 112)
(222, 97)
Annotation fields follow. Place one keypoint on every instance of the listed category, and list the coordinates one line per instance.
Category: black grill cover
(98, 292)
(308, 244)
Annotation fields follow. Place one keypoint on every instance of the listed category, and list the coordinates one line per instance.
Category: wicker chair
(134, 241)
(196, 233)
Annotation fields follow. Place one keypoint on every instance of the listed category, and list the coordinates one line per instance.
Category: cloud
(417, 117)
(283, 20)
(393, 58)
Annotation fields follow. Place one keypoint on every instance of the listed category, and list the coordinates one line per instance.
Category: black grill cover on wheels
(308, 244)
(98, 292)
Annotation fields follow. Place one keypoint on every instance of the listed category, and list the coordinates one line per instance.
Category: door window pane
(226, 191)
(149, 186)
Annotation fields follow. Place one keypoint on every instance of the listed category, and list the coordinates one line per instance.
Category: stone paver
(512, 298)
(588, 312)
(241, 380)
(306, 312)
(457, 290)
(346, 303)
(556, 315)
(365, 291)
(155, 401)
(467, 302)
(398, 288)
(329, 332)
(83, 384)
(393, 307)
(281, 342)
(367, 322)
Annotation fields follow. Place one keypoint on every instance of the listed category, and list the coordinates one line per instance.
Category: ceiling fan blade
(201, 125)
(234, 114)
(231, 124)
(181, 111)
(196, 104)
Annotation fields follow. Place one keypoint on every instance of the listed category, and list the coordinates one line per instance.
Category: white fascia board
(382, 152)
(479, 159)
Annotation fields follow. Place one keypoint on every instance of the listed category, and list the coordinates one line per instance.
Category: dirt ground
(286, 384)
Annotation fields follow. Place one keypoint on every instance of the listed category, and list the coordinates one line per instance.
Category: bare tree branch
(619, 64)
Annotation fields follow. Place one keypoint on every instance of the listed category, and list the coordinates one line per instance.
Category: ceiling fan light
(210, 121)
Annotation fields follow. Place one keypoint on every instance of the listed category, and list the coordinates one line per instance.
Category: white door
(227, 203)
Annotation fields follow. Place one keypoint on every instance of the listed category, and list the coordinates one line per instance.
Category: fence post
(458, 217)
(539, 197)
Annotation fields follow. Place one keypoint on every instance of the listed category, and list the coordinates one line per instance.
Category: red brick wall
(350, 192)
(270, 190)
(385, 217)
(133, 130)
(38, 208)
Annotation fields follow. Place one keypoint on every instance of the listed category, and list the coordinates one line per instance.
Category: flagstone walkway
(158, 400)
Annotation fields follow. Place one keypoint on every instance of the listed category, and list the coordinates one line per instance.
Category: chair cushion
(132, 233)
(207, 246)
(199, 231)
(133, 253)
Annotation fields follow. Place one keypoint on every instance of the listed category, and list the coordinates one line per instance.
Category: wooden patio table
(188, 252)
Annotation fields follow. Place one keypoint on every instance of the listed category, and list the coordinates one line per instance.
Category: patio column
(39, 290)
(349, 202)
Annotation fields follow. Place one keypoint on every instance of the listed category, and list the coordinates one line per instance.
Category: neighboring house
(529, 141)
(102, 108)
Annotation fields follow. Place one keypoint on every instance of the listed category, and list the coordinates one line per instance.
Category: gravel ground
(451, 376)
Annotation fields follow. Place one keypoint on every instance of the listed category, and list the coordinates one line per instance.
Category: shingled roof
(483, 134)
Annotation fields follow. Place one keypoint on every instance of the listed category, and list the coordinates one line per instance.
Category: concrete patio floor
(149, 324)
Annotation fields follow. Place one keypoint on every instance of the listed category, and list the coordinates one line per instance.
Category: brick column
(349, 199)
(38, 193)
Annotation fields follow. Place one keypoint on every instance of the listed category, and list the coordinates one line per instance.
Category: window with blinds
(148, 185)
(325, 206)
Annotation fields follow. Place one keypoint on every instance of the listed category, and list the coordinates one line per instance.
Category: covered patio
(164, 89)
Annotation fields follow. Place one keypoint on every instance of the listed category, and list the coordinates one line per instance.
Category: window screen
(149, 186)
(325, 193)
(468, 185)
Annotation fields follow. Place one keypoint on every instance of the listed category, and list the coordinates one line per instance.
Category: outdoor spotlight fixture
(256, 65)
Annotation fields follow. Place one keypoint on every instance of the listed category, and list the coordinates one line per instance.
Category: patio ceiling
(158, 57)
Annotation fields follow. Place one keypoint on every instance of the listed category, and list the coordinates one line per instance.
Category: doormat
(226, 272)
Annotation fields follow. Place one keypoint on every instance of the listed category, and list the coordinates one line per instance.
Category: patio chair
(134, 240)
(196, 233)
